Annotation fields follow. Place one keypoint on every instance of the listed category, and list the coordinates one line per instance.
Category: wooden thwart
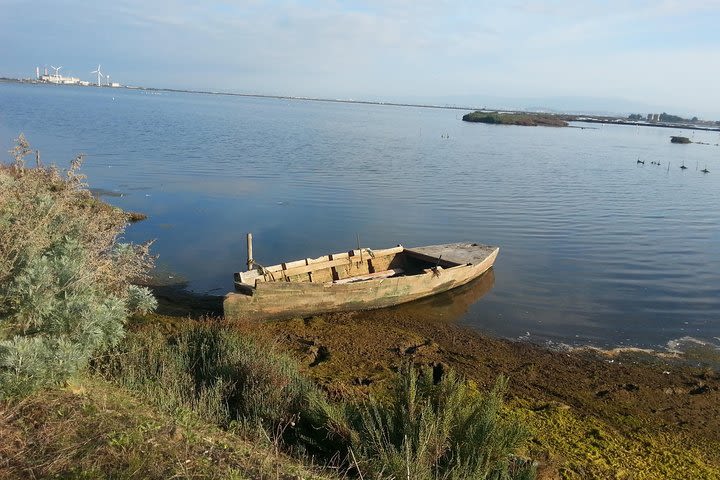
(360, 278)
(299, 267)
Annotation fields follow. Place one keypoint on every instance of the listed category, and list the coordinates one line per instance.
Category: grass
(430, 427)
(96, 430)
(225, 377)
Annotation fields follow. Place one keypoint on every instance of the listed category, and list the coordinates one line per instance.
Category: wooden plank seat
(384, 274)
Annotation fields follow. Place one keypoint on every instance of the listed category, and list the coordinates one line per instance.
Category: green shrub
(65, 281)
(444, 429)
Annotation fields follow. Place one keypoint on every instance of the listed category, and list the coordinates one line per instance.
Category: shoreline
(636, 405)
(593, 413)
(585, 118)
(176, 300)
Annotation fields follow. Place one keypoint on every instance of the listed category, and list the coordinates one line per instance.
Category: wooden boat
(356, 280)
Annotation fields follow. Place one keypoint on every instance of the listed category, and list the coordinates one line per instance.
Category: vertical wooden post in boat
(250, 260)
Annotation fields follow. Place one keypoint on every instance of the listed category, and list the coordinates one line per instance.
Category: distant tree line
(665, 117)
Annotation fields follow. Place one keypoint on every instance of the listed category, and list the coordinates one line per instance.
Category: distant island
(662, 120)
(516, 118)
(675, 139)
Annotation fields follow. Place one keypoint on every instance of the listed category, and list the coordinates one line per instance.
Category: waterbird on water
(705, 170)
(640, 161)
(683, 167)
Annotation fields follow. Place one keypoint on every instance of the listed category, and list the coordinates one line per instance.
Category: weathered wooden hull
(282, 299)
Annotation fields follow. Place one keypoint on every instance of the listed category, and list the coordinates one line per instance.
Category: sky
(583, 55)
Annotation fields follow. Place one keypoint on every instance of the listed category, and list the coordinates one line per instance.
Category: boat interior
(347, 267)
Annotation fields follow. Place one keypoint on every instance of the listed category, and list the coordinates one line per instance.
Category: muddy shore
(594, 414)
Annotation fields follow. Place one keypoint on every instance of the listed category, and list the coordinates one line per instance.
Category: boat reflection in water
(449, 306)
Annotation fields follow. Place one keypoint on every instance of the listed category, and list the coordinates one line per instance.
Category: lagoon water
(596, 249)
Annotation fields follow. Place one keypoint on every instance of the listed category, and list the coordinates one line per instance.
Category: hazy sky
(659, 53)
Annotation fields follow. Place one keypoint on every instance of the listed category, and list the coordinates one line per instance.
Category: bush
(65, 281)
(444, 429)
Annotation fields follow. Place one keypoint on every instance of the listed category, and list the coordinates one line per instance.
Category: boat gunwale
(309, 265)
(442, 265)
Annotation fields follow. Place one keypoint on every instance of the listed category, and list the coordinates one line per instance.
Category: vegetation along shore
(103, 377)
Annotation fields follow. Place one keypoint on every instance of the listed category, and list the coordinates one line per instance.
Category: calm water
(595, 249)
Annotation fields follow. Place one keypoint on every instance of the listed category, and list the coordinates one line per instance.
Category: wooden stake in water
(250, 260)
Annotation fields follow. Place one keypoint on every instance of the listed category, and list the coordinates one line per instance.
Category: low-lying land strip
(515, 118)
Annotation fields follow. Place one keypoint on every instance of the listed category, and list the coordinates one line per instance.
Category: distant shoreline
(567, 117)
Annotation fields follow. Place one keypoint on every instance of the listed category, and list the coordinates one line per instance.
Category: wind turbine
(99, 74)
(57, 70)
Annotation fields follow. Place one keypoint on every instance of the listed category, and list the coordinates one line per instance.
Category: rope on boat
(265, 272)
